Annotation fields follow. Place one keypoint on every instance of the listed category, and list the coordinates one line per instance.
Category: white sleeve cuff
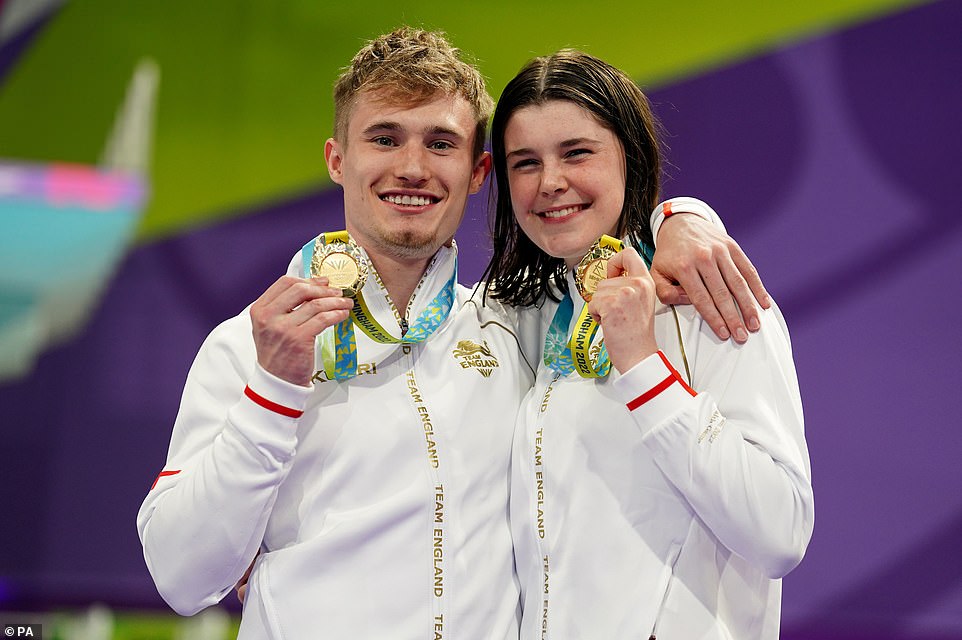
(282, 392)
(683, 205)
(653, 390)
(268, 413)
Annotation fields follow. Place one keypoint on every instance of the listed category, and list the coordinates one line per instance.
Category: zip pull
(403, 322)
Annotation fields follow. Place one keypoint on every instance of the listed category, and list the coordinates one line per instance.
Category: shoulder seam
(534, 371)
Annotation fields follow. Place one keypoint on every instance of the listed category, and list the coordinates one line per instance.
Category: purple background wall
(834, 162)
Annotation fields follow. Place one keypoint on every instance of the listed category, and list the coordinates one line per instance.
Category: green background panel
(244, 103)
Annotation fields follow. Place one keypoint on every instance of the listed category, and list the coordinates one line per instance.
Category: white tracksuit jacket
(356, 539)
(667, 519)
(381, 511)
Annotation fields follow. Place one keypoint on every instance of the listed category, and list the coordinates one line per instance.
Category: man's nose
(413, 165)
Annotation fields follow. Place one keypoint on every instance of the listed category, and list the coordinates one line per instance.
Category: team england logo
(471, 355)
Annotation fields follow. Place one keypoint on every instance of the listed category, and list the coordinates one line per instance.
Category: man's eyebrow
(445, 131)
(386, 125)
(389, 125)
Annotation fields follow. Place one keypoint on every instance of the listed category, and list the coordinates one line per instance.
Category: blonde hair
(410, 66)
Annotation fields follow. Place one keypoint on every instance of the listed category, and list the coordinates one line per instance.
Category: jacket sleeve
(734, 444)
(682, 205)
(232, 446)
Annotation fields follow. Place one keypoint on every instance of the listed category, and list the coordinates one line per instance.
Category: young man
(374, 481)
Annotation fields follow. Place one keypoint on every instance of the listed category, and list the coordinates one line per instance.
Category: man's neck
(400, 277)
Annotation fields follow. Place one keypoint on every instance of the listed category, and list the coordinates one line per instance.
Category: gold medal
(593, 268)
(342, 263)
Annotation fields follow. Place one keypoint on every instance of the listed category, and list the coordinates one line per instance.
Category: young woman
(666, 492)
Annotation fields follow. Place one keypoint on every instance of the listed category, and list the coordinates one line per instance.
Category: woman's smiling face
(566, 172)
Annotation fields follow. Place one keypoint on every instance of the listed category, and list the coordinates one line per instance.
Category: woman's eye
(578, 152)
(521, 164)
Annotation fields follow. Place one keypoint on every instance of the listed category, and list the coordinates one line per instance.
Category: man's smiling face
(406, 172)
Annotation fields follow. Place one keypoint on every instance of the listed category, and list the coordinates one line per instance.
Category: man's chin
(410, 244)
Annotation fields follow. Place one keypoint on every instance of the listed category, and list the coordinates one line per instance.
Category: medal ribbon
(339, 348)
(565, 355)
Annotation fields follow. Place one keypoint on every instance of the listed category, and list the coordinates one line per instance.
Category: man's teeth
(417, 201)
(560, 213)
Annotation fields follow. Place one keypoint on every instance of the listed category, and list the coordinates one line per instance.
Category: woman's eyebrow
(519, 152)
(574, 142)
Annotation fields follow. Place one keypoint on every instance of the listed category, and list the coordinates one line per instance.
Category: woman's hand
(624, 306)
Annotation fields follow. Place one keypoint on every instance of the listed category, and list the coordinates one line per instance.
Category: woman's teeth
(560, 213)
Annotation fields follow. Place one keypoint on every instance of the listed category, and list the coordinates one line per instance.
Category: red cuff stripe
(673, 377)
(272, 406)
(162, 474)
(666, 209)
(651, 393)
(677, 375)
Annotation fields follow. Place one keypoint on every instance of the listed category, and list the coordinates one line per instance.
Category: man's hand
(286, 320)
(241, 586)
(697, 264)
(624, 306)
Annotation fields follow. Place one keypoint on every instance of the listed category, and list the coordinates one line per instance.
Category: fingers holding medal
(285, 321)
(628, 264)
(617, 284)
(621, 297)
(288, 317)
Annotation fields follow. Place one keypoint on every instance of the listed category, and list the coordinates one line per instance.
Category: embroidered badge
(471, 355)
(715, 424)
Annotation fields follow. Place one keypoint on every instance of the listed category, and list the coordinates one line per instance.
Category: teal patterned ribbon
(557, 352)
(339, 350)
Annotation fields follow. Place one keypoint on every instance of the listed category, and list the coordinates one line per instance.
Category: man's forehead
(416, 111)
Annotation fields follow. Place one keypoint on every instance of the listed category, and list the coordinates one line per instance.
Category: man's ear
(481, 170)
(334, 157)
